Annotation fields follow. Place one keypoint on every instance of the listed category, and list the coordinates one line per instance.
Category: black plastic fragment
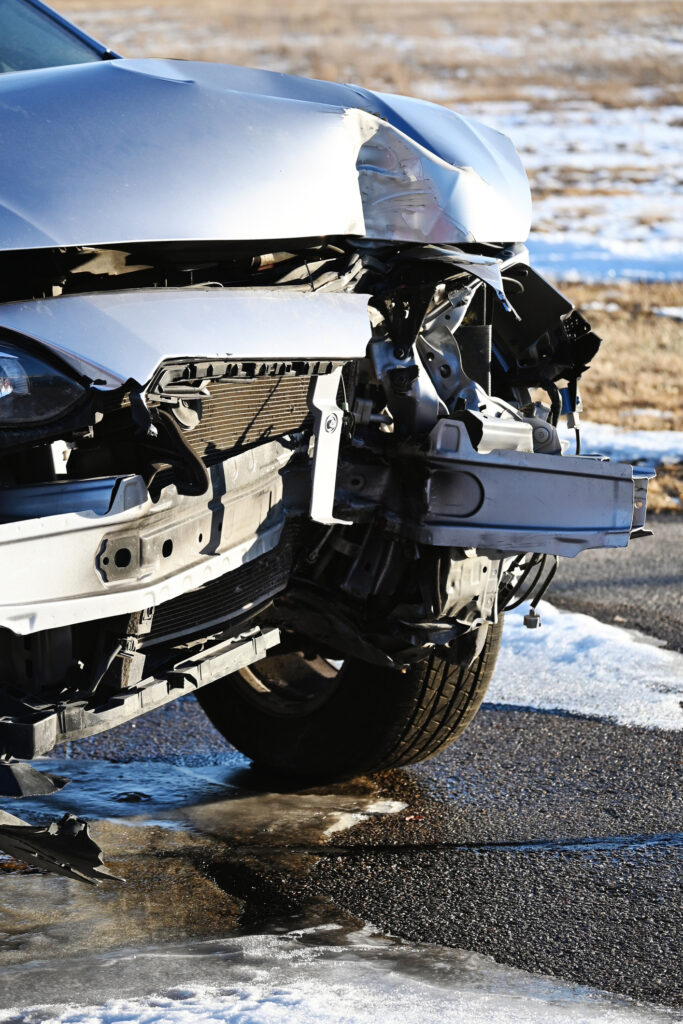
(19, 780)
(64, 847)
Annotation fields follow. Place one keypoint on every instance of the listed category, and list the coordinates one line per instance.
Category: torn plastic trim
(35, 728)
(64, 847)
(61, 497)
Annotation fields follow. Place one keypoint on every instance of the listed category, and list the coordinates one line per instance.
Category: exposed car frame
(270, 362)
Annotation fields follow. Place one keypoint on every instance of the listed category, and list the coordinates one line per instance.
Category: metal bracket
(328, 421)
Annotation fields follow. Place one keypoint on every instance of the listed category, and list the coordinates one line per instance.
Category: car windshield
(30, 38)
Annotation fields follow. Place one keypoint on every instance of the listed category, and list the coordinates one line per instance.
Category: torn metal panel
(112, 337)
(187, 151)
(413, 194)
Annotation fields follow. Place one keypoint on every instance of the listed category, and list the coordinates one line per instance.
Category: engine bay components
(291, 443)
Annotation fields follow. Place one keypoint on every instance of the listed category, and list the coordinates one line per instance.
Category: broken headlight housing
(33, 390)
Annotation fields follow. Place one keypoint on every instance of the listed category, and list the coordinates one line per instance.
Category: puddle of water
(203, 854)
(327, 974)
(108, 789)
(204, 928)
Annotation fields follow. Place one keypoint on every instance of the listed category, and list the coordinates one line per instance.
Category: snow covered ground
(326, 976)
(647, 447)
(608, 202)
(671, 312)
(575, 663)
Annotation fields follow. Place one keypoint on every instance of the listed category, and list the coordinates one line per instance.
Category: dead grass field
(640, 364)
(599, 51)
(537, 52)
(636, 380)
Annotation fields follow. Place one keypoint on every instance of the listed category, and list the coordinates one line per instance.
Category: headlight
(32, 391)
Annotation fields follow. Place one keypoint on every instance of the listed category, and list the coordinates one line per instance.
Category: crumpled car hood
(152, 150)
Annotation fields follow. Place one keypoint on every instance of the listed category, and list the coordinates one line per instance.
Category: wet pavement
(547, 841)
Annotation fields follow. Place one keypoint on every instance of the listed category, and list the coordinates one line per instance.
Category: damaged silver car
(279, 398)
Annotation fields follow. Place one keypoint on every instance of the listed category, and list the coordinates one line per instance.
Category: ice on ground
(343, 820)
(321, 975)
(673, 312)
(651, 447)
(575, 663)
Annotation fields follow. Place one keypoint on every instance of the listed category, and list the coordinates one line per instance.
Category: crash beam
(28, 731)
(516, 501)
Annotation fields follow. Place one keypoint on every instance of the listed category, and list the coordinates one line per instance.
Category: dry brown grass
(640, 363)
(639, 368)
(601, 51)
(665, 493)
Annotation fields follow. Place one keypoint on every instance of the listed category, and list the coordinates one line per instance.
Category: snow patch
(575, 663)
(673, 312)
(645, 410)
(652, 447)
(327, 978)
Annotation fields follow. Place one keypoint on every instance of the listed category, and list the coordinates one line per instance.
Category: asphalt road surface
(550, 842)
(640, 588)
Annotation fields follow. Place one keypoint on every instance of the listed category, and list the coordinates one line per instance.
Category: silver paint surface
(113, 336)
(158, 150)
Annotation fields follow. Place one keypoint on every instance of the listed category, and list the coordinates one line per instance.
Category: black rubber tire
(373, 718)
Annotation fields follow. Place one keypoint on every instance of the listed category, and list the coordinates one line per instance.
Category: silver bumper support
(108, 549)
(515, 501)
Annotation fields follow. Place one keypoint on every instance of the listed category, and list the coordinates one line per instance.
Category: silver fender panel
(114, 336)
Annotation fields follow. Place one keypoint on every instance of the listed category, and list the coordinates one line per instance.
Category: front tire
(302, 718)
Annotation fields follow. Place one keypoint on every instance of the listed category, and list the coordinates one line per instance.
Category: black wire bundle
(538, 585)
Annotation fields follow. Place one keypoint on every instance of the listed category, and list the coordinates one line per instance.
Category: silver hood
(151, 150)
